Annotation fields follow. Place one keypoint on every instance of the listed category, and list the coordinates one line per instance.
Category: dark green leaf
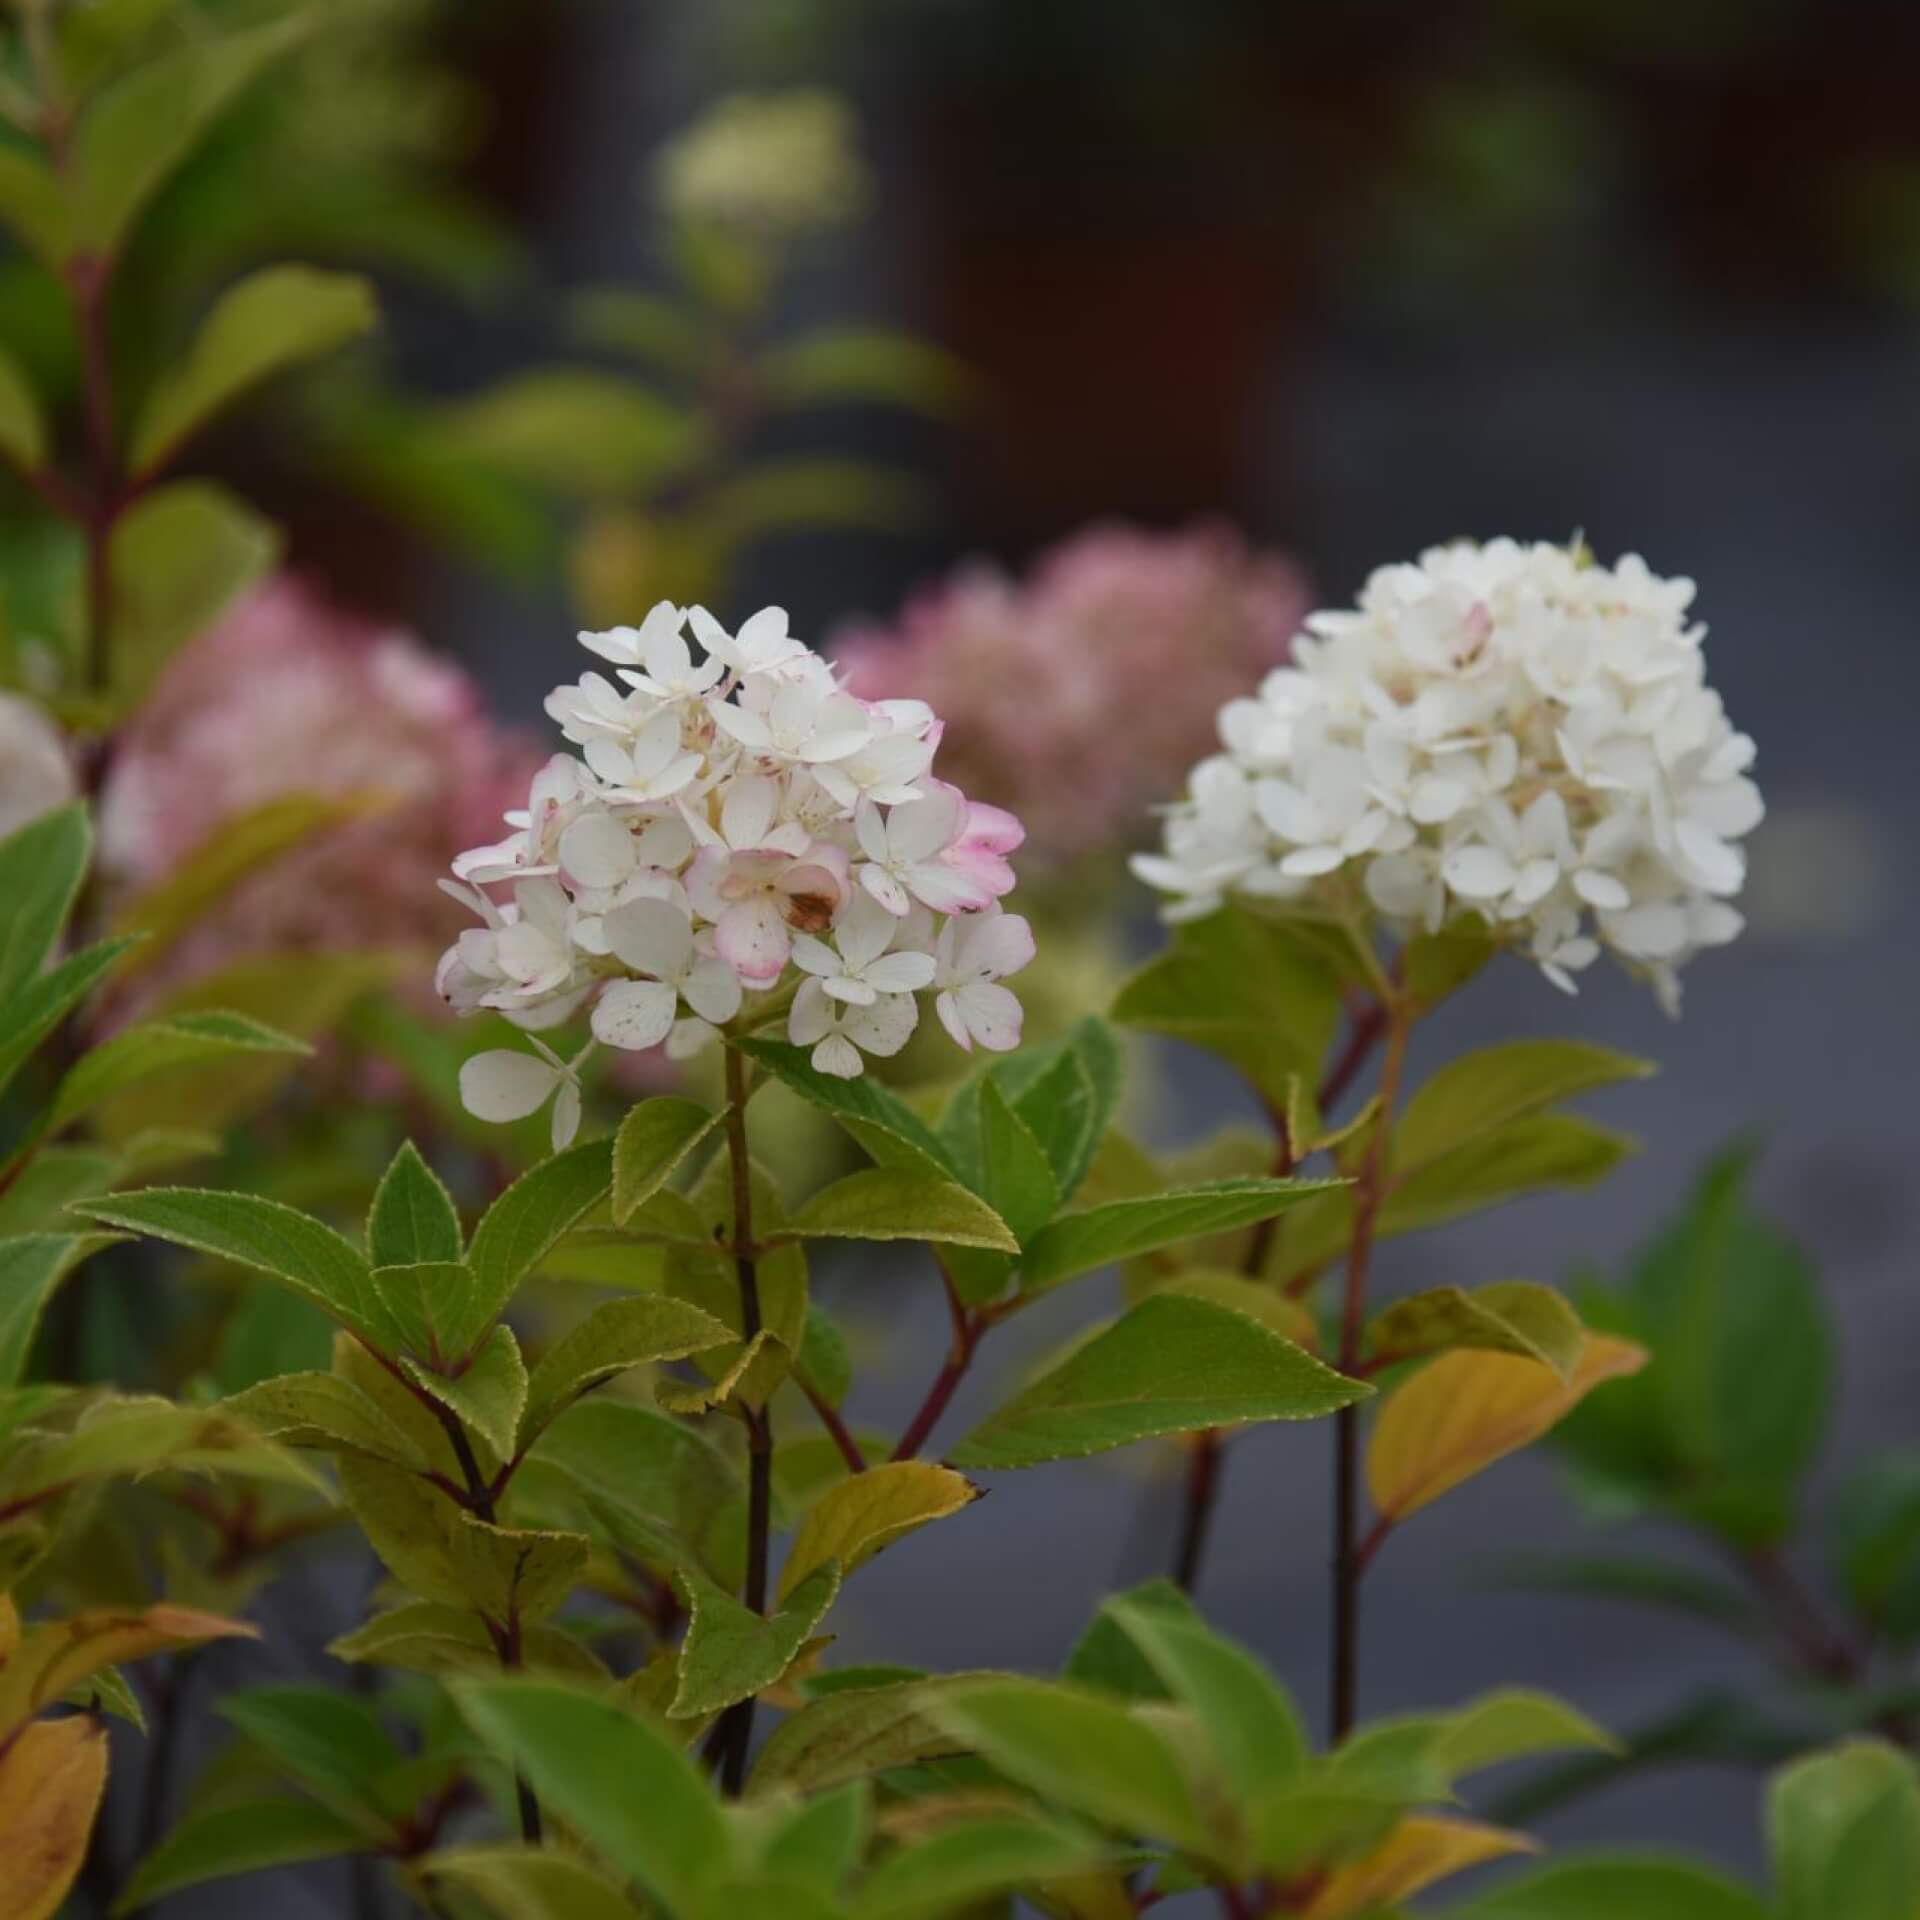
(41, 867)
(891, 1132)
(527, 1220)
(654, 1138)
(221, 1841)
(1170, 1365)
(413, 1219)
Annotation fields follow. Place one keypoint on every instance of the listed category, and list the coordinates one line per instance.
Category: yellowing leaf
(61, 1654)
(1469, 1409)
(52, 1775)
(1420, 1850)
(858, 1516)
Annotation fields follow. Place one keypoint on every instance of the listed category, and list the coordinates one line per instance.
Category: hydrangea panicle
(1508, 732)
(735, 823)
(1082, 693)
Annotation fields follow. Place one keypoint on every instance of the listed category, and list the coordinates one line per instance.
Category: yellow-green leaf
(23, 428)
(854, 1519)
(893, 1203)
(654, 1138)
(1466, 1410)
(1509, 1316)
(1422, 1849)
(268, 322)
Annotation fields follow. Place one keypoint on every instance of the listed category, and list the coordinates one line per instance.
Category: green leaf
(637, 1332)
(32, 204)
(323, 1410)
(443, 1553)
(413, 1219)
(166, 1046)
(1479, 1093)
(823, 1361)
(1508, 1725)
(139, 129)
(270, 321)
(1016, 1178)
(1627, 1889)
(730, 1651)
(787, 495)
(1081, 1751)
(521, 1884)
(279, 1241)
(218, 1842)
(1170, 1365)
(820, 1841)
(970, 1861)
(424, 1637)
(430, 1305)
(1510, 1316)
(23, 427)
(617, 1779)
(645, 325)
(847, 364)
(1252, 1727)
(890, 1131)
(41, 868)
(31, 1266)
(329, 1742)
(1844, 1827)
(842, 1736)
(519, 1229)
(858, 1516)
(1876, 1532)
(30, 1013)
(489, 1393)
(1664, 1584)
(583, 433)
(891, 1203)
(1545, 1151)
(1243, 988)
(1106, 1656)
(1065, 1095)
(302, 994)
(654, 1138)
(1121, 1229)
(181, 556)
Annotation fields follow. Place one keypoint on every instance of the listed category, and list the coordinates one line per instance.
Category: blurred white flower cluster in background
(735, 822)
(773, 164)
(1506, 731)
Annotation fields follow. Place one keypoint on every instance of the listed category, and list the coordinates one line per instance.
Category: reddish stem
(837, 1428)
(967, 1330)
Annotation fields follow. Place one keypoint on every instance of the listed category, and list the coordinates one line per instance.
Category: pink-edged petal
(503, 1085)
(947, 889)
(927, 826)
(992, 827)
(753, 940)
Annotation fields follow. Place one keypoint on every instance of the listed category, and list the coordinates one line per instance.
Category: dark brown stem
(1203, 1492)
(840, 1433)
(1349, 1562)
(1203, 1477)
(734, 1735)
(967, 1329)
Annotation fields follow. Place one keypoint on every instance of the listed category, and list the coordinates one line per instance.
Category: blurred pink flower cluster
(286, 695)
(1079, 697)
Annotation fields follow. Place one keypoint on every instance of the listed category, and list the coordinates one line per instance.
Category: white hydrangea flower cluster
(1505, 731)
(733, 823)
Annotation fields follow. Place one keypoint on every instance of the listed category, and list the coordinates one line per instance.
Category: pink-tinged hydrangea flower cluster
(36, 768)
(1082, 695)
(734, 822)
(286, 695)
(1506, 732)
